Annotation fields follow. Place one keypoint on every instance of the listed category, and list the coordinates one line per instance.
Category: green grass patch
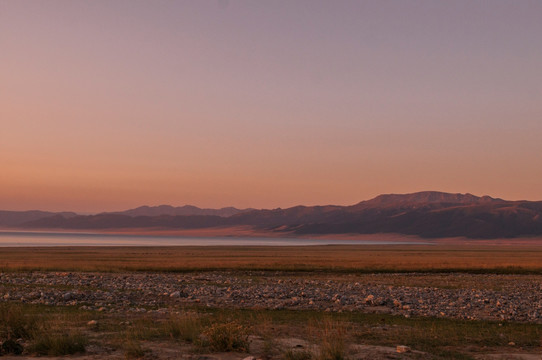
(59, 344)
(442, 337)
(184, 327)
(16, 322)
(133, 350)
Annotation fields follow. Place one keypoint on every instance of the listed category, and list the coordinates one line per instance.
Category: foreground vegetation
(336, 258)
(41, 330)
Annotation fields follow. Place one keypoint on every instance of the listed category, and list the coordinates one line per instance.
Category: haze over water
(17, 239)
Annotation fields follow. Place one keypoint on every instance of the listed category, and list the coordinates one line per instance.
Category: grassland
(263, 333)
(273, 334)
(340, 258)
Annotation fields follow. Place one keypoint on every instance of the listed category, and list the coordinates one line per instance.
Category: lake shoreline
(229, 237)
(38, 239)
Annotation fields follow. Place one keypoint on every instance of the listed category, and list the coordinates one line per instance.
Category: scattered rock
(403, 349)
(12, 347)
(137, 292)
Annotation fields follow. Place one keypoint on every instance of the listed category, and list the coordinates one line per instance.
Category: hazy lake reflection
(16, 238)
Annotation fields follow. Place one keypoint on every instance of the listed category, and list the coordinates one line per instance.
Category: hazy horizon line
(257, 208)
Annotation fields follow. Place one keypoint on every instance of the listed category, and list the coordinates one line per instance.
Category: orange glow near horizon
(105, 106)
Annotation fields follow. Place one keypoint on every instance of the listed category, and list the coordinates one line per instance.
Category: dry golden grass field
(340, 258)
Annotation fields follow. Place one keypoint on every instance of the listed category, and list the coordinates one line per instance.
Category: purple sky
(106, 105)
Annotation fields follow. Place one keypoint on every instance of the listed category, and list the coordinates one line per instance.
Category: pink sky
(107, 105)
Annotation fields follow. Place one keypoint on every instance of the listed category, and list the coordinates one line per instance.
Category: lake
(27, 238)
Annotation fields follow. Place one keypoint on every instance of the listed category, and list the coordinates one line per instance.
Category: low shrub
(11, 347)
(187, 328)
(59, 344)
(332, 340)
(297, 355)
(230, 336)
(133, 350)
(15, 323)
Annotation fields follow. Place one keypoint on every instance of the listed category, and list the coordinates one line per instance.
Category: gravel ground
(496, 297)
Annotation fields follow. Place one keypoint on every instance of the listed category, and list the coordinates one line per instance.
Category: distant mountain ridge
(425, 198)
(16, 218)
(428, 214)
(186, 210)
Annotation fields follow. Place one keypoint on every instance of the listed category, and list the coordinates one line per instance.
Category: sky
(109, 105)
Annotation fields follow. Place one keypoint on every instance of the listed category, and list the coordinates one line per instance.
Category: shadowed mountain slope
(425, 198)
(426, 214)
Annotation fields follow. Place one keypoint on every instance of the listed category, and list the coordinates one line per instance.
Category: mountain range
(19, 218)
(186, 210)
(427, 214)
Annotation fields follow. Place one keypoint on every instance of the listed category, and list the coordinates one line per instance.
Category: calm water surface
(17, 238)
